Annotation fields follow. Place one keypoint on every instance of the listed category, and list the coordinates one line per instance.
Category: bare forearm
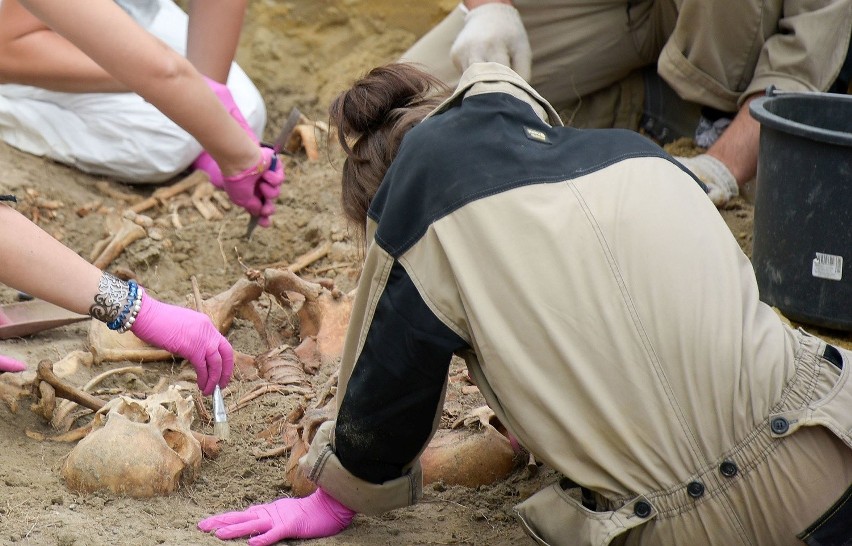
(47, 60)
(738, 146)
(213, 36)
(33, 54)
(36, 263)
(152, 69)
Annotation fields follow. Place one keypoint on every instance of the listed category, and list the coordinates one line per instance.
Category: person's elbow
(167, 70)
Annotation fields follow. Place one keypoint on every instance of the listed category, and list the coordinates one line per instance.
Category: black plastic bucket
(803, 206)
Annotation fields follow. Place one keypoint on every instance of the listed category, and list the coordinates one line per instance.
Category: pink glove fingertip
(268, 192)
(267, 539)
(213, 363)
(8, 364)
(227, 353)
(267, 210)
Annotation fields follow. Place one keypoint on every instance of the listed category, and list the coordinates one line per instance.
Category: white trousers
(118, 135)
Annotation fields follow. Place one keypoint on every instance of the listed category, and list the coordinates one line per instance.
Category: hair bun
(369, 103)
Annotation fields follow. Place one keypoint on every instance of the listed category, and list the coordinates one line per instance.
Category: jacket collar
(482, 78)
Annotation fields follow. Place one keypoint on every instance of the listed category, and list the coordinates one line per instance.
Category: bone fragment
(266, 388)
(65, 414)
(281, 366)
(95, 381)
(303, 136)
(72, 362)
(109, 346)
(106, 188)
(70, 436)
(269, 453)
(249, 313)
(10, 394)
(46, 401)
(163, 194)
(65, 390)
(314, 255)
(99, 247)
(141, 219)
(278, 281)
(128, 233)
(244, 368)
(201, 200)
(223, 307)
(468, 457)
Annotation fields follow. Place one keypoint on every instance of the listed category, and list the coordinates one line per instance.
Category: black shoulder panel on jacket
(489, 144)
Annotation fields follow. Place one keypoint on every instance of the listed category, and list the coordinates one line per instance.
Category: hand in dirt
(721, 184)
(493, 32)
(189, 334)
(8, 364)
(315, 516)
(205, 161)
(255, 189)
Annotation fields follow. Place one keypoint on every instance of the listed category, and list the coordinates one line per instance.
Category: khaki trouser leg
(432, 51)
(586, 55)
(727, 66)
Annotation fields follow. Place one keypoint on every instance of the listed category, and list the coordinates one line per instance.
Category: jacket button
(642, 509)
(695, 489)
(728, 469)
(779, 425)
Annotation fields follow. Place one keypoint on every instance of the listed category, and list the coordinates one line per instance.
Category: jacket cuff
(322, 467)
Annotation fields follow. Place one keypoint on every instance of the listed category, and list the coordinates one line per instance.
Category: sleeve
(391, 405)
(808, 50)
(719, 54)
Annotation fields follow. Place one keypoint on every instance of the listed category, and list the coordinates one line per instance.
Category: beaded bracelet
(134, 311)
(131, 308)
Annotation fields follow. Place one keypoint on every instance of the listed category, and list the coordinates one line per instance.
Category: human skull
(137, 448)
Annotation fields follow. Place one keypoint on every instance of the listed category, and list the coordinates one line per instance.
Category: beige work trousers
(589, 56)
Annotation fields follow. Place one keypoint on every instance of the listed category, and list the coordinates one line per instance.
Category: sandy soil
(301, 53)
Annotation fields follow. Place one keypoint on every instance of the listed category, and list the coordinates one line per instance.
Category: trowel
(30, 317)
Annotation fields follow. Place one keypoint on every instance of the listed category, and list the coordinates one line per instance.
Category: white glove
(493, 32)
(721, 184)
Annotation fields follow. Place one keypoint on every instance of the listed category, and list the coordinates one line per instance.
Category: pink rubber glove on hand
(255, 189)
(8, 364)
(315, 516)
(189, 334)
(205, 161)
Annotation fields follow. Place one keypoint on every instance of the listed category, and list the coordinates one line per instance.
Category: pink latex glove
(205, 161)
(8, 364)
(315, 516)
(255, 189)
(189, 334)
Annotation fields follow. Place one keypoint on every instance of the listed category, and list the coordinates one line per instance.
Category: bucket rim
(759, 111)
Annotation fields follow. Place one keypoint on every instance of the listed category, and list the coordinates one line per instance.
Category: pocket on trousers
(552, 517)
(834, 527)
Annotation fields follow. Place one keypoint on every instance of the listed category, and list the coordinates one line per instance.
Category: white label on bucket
(828, 266)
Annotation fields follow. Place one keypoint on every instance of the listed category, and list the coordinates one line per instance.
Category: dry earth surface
(300, 53)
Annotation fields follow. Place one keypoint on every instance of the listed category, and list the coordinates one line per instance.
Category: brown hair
(373, 115)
